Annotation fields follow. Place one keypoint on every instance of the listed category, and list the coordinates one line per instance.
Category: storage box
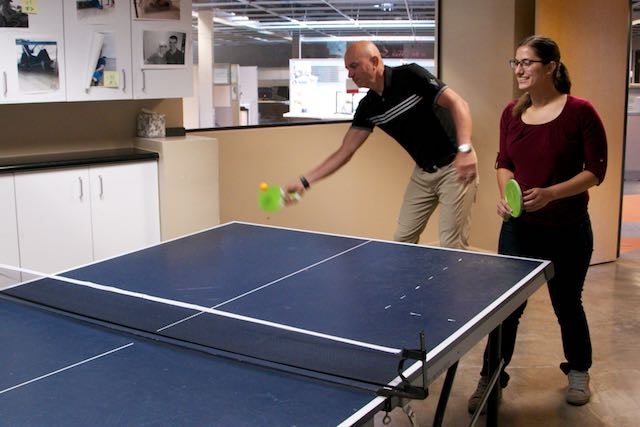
(151, 124)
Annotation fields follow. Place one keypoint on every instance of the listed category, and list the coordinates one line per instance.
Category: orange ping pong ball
(263, 186)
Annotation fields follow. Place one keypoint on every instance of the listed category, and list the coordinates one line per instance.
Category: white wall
(248, 88)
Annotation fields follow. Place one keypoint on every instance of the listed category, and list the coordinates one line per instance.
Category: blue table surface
(377, 292)
(144, 382)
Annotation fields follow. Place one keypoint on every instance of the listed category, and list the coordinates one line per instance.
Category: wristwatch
(464, 148)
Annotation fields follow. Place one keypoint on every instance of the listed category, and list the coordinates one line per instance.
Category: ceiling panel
(253, 21)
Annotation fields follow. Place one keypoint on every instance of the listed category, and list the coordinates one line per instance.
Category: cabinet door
(125, 207)
(153, 77)
(54, 219)
(32, 62)
(8, 231)
(98, 48)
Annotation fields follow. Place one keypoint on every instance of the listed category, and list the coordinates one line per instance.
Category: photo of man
(163, 49)
(174, 55)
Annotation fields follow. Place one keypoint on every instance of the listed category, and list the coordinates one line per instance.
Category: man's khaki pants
(424, 193)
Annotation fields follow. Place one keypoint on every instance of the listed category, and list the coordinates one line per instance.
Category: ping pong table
(218, 327)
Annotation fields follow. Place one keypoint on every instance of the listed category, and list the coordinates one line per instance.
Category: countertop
(75, 158)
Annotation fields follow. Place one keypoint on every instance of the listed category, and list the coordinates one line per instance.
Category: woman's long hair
(548, 51)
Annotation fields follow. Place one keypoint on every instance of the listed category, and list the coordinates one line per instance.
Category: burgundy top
(550, 153)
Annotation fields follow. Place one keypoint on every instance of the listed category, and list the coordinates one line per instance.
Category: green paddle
(513, 194)
(271, 197)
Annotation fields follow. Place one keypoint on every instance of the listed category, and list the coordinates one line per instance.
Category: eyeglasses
(526, 63)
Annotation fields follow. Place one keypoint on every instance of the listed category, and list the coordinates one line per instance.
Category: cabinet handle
(4, 80)
(81, 187)
(101, 186)
(124, 80)
(144, 82)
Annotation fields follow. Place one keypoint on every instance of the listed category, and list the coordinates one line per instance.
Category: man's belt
(440, 163)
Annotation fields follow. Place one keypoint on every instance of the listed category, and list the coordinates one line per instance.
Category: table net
(277, 346)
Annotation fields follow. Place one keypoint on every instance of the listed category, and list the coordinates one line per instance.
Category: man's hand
(465, 164)
(290, 190)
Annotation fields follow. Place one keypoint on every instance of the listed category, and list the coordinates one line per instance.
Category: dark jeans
(569, 248)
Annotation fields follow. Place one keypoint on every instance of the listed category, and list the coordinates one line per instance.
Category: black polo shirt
(408, 112)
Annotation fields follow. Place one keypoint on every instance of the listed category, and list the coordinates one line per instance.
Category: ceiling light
(231, 22)
(401, 23)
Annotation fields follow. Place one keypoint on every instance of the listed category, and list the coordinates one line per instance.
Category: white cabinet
(54, 57)
(8, 236)
(98, 36)
(161, 80)
(125, 207)
(54, 219)
(32, 59)
(72, 216)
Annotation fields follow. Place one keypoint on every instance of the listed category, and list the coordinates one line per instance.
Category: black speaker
(175, 132)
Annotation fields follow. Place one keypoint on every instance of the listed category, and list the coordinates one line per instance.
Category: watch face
(464, 148)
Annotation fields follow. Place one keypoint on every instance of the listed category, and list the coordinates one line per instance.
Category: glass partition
(287, 56)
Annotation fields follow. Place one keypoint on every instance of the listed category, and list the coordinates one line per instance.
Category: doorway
(630, 227)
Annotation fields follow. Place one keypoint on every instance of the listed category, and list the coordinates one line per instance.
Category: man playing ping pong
(432, 123)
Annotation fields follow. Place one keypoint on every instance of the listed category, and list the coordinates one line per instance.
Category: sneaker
(476, 397)
(578, 392)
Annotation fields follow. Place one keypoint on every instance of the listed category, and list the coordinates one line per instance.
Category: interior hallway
(630, 233)
(535, 396)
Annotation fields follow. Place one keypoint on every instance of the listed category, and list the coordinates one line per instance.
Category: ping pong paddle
(271, 197)
(513, 194)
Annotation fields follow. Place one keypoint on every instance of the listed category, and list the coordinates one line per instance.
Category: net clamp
(405, 390)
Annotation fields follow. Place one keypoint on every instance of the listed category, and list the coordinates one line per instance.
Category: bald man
(432, 123)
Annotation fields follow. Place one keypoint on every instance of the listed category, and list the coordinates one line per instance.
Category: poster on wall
(37, 61)
(12, 15)
(94, 11)
(163, 49)
(102, 62)
(157, 9)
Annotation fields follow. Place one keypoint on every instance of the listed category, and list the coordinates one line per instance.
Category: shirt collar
(386, 78)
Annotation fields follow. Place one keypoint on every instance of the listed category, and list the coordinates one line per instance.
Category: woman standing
(554, 145)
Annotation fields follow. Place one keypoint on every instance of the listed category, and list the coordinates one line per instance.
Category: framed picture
(157, 9)
(163, 49)
(11, 14)
(94, 11)
(37, 62)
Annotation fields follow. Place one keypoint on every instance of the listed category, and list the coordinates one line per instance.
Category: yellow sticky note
(111, 79)
(30, 7)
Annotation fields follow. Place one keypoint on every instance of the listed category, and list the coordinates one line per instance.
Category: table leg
(495, 365)
(444, 395)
